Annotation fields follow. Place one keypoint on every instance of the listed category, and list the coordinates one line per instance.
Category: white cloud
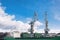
(8, 22)
(51, 31)
(37, 24)
(54, 31)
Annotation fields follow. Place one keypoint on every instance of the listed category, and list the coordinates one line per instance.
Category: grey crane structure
(46, 25)
(32, 24)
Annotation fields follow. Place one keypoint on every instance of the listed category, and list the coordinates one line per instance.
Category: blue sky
(25, 9)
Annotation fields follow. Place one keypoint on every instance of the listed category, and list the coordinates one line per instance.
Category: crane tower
(32, 24)
(46, 24)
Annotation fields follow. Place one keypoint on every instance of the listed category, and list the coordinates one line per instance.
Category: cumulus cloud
(37, 24)
(8, 22)
(51, 31)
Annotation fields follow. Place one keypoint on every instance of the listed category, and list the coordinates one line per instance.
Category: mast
(35, 16)
(46, 24)
(32, 24)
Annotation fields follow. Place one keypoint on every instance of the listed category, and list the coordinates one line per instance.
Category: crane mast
(32, 24)
(46, 24)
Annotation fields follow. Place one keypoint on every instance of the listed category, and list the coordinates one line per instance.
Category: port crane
(32, 24)
(46, 25)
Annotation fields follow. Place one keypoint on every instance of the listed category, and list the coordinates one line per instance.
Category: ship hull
(10, 38)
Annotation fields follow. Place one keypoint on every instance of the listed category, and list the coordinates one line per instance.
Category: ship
(32, 36)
